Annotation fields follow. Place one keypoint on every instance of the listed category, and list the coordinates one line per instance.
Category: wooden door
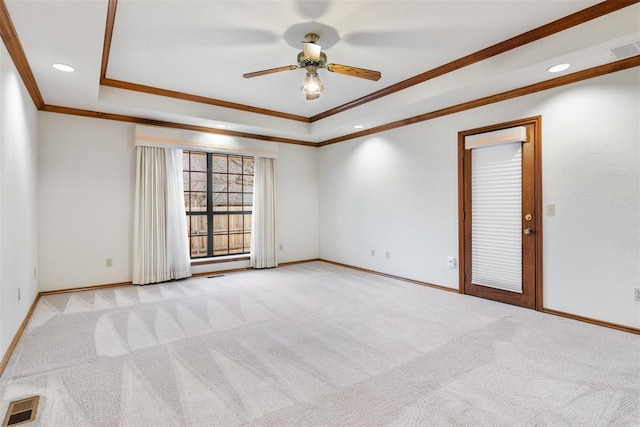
(500, 259)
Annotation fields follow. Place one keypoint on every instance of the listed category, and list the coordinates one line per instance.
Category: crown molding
(162, 123)
(538, 33)
(14, 47)
(541, 32)
(578, 76)
(108, 36)
(199, 99)
(589, 73)
(105, 81)
(16, 52)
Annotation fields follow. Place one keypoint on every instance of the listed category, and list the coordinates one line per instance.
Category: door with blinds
(500, 204)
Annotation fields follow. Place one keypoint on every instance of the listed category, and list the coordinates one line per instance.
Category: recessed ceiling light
(359, 127)
(558, 67)
(221, 126)
(64, 67)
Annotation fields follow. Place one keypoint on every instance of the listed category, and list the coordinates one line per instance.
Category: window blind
(496, 215)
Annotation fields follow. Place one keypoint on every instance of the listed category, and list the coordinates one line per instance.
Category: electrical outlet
(451, 262)
(387, 255)
(373, 252)
(637, 294)
(280, 247)
(109, 262)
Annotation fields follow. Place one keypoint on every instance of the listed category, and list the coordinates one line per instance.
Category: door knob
(528, 231)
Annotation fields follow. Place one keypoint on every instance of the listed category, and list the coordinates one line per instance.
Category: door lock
(528, 231)
(528, 217)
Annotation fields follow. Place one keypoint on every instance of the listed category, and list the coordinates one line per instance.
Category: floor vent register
(21, 411)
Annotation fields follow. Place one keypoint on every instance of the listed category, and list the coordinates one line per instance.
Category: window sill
(220, 259)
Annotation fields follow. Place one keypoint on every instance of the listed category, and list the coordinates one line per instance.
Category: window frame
(211, 213)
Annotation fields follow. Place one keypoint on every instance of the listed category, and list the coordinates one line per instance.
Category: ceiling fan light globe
(311, 50)
(312, 84)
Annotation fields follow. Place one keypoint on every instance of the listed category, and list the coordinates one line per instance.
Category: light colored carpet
(316, 344)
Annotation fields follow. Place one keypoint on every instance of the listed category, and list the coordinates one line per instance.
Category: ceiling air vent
(626, 50)
(21, 411)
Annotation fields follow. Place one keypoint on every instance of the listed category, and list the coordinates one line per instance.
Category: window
(218, 195)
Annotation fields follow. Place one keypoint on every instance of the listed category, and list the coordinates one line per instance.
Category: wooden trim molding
(247, 258)
(579, 318)
(538, 33)
(480, 102)
(14, 47)
(303, 261)
(219, 260)
(531, 297)
(589, 73)
(108, 36)
(236, 270)
(23, 325)
(105, 81)
(218, 272)
(162, 123)
(597, 322)
(391, 276)
(85, 288)
(541, 32)
(199, 99)
(538, 221)
(578, 76)
(16, 337)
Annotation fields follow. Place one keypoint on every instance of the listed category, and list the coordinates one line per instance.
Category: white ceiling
(203, 48)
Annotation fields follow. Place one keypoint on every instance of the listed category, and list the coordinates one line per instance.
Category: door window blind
(496, 215)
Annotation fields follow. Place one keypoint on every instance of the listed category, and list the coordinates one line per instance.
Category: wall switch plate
(451, 262)
(551, 210)
(387, 255)
(19, 295)
(280, 247)
(109, 262)
(373, 252)
(637, 294)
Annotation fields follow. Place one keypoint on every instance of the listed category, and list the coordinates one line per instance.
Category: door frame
(464, 241)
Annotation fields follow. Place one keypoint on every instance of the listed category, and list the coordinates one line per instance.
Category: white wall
(86, 173)
(592, 175)
(397, 192)
(86, 187)
(393, 192)
(18, 200)
(297, 188)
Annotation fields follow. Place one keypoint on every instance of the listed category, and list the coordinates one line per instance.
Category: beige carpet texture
(315, 344)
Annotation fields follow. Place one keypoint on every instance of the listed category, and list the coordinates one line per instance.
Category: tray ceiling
(196, 52)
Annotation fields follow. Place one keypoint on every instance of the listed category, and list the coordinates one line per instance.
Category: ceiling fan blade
(270, 70)
(355, 71)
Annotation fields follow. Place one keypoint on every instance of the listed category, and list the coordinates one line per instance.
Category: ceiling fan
(311, 59)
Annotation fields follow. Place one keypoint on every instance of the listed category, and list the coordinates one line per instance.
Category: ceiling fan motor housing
(305, 62)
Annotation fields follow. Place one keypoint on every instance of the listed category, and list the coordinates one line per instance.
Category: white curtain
(160, 241)
(263, 232)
